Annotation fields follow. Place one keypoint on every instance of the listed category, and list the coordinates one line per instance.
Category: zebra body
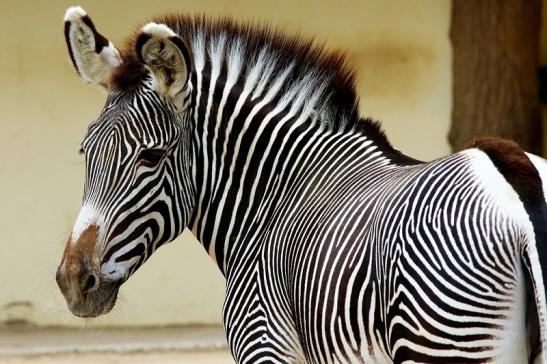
(359, 278)
(335, 246)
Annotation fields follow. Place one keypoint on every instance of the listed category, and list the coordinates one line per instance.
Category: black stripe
(67, 38)
(184, 49)
(135, 252)
(100, 41)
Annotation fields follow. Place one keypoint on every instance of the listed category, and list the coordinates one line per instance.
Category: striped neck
(254, 114)
(236, 146)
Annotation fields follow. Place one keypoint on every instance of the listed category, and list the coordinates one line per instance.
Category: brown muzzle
(87, 293)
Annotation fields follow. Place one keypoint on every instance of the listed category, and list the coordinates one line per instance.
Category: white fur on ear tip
(158, 30)
(74, 13)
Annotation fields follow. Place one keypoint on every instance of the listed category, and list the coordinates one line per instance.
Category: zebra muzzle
(87, 292)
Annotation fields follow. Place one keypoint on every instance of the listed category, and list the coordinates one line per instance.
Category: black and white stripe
(335, 247)
(134, 179)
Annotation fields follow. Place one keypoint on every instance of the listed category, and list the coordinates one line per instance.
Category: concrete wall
(400, 49)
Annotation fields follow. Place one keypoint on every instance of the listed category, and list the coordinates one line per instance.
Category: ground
(113, 346)
(197, 357)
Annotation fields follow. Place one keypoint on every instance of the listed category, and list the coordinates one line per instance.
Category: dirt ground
(208, 357)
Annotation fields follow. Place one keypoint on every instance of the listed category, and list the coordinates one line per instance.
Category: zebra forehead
(137, 111)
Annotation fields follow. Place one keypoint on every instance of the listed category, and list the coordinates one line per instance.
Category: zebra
(335, 246)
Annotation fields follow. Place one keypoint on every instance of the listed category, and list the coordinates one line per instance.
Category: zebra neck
(244, 168)
(251, 121)
(239, 156)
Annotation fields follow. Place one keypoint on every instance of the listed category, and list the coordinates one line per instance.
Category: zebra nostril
(90, 283)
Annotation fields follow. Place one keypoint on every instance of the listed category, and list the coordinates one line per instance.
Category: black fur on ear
(185, 50)
(92, 55)
(141, 40)
(167, 57)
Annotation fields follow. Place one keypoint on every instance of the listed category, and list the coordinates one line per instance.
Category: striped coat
(335, 246)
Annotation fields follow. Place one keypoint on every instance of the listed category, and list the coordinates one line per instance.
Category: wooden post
(495, 71)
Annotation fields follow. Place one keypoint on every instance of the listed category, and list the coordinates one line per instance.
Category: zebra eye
(150, 157)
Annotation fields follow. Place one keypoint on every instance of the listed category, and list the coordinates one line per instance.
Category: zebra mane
(303, 58)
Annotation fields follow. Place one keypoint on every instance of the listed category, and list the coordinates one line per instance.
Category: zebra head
(138, 190)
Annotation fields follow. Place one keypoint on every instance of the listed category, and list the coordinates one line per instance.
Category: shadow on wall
(405, 71)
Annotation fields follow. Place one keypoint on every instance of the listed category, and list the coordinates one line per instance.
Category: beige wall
(400, 48)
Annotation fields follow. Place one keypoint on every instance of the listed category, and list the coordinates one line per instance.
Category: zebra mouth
(97, 304)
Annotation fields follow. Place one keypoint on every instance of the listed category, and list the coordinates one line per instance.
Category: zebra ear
(93, 56)
(167, 57)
